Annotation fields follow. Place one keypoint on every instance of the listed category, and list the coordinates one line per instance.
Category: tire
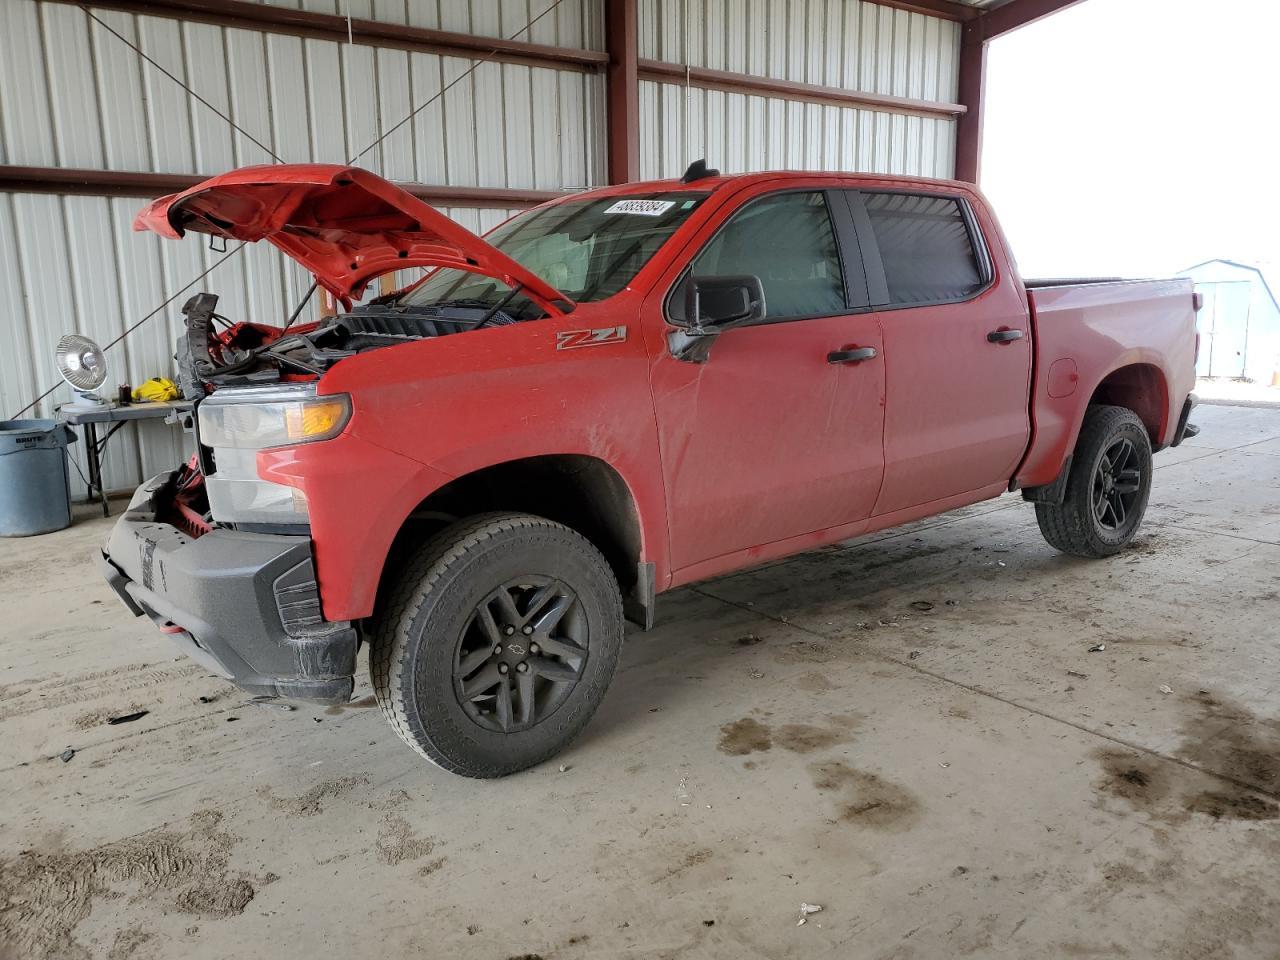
(438, 682)
(1099, 516)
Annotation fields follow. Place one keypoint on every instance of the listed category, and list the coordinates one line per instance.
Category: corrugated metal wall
(73, 95)
(856, 46)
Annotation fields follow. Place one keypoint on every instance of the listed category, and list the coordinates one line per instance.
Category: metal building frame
(620, 62)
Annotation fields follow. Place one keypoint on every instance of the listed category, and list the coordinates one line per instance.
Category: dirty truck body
(612, 395)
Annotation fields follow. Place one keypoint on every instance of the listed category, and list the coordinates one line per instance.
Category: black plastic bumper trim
(1186, 429)
(245, 605)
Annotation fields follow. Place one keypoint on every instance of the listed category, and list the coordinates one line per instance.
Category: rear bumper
(1185, 429)
(245, 605)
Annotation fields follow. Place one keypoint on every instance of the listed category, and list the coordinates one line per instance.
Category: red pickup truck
(482, 475)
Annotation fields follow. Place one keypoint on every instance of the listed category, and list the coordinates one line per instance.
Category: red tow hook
(170, 627)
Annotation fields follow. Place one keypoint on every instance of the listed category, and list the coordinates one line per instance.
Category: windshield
(586, 249)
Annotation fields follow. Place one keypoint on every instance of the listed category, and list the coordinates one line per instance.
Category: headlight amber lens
(315, 419)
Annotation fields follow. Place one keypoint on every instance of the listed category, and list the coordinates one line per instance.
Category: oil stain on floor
(866, 799)
(1219, 736)
(749, 735)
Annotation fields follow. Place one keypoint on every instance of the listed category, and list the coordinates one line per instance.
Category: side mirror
(711, 306)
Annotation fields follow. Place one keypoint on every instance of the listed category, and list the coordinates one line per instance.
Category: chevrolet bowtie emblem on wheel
(568, 339)
(516, 649)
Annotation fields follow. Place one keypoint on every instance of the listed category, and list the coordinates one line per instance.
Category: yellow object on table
(155, 390)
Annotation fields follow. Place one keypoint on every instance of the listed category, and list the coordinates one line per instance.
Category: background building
(1240, 323)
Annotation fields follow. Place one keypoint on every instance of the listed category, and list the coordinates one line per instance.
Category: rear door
(957, 347)
(770, 438)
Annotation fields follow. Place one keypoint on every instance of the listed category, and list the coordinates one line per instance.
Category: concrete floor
(962, 780)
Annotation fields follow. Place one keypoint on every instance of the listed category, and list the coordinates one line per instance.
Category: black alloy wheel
(521, 654)
(496, 642)
(1107, 487)
(1117, 483)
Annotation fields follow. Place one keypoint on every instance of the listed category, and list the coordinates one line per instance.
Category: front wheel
(497, 643)
(1107, 488)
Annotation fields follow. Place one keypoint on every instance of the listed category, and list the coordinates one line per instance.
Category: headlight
(237, 423)
(240, 423)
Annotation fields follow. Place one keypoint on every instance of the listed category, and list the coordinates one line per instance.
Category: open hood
(346, 225)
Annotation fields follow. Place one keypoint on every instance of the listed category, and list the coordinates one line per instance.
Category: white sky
(1137, 137)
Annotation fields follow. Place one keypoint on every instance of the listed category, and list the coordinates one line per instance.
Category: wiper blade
(477, 302)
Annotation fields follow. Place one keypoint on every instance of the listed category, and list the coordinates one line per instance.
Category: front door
(957, 349)
(770, 438)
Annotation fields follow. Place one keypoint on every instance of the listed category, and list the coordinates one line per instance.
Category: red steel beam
(328, 26)
(622, 133)
(115, 183)
(973, 77)
(944, 9)
(1019, 13)
(792, 90)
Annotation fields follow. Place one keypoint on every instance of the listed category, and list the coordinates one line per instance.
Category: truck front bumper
(244, 605)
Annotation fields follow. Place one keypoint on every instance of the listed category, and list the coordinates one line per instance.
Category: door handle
(1004, 336)
(854, 355)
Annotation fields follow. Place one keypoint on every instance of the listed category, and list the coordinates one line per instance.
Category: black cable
(105, 26)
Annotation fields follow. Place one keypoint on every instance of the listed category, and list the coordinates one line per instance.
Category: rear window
(925, 247)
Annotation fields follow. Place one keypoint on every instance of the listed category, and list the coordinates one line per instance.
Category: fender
(432, 411)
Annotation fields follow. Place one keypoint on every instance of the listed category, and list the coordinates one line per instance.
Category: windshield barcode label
(643, 208)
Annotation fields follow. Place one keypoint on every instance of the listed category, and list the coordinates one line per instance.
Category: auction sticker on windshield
(643, 208)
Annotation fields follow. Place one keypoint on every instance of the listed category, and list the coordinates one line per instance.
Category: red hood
(344, 224)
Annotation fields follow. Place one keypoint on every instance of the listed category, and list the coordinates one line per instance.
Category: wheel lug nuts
(522, 667)
(497, 651)
(508, 630)
(534, 648)
(526, 630)
(503, 668)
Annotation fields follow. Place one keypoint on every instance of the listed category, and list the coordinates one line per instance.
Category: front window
(587, 249)
(787, 241)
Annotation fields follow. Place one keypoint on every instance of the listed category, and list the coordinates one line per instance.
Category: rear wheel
(497, 643)
(1107, 489)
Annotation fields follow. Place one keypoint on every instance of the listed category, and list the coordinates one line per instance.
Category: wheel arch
(1142, 388)
(584, 492)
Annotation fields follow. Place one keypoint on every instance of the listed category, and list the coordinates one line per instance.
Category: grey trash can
(34, 493)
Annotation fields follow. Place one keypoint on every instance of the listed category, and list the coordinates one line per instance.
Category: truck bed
(1136, 335)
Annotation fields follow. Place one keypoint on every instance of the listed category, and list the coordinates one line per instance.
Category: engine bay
(216, 352)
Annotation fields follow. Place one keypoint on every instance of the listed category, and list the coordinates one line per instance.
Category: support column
(622, 40)
(973, 75)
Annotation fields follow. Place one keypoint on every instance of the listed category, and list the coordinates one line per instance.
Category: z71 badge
(568, 339)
